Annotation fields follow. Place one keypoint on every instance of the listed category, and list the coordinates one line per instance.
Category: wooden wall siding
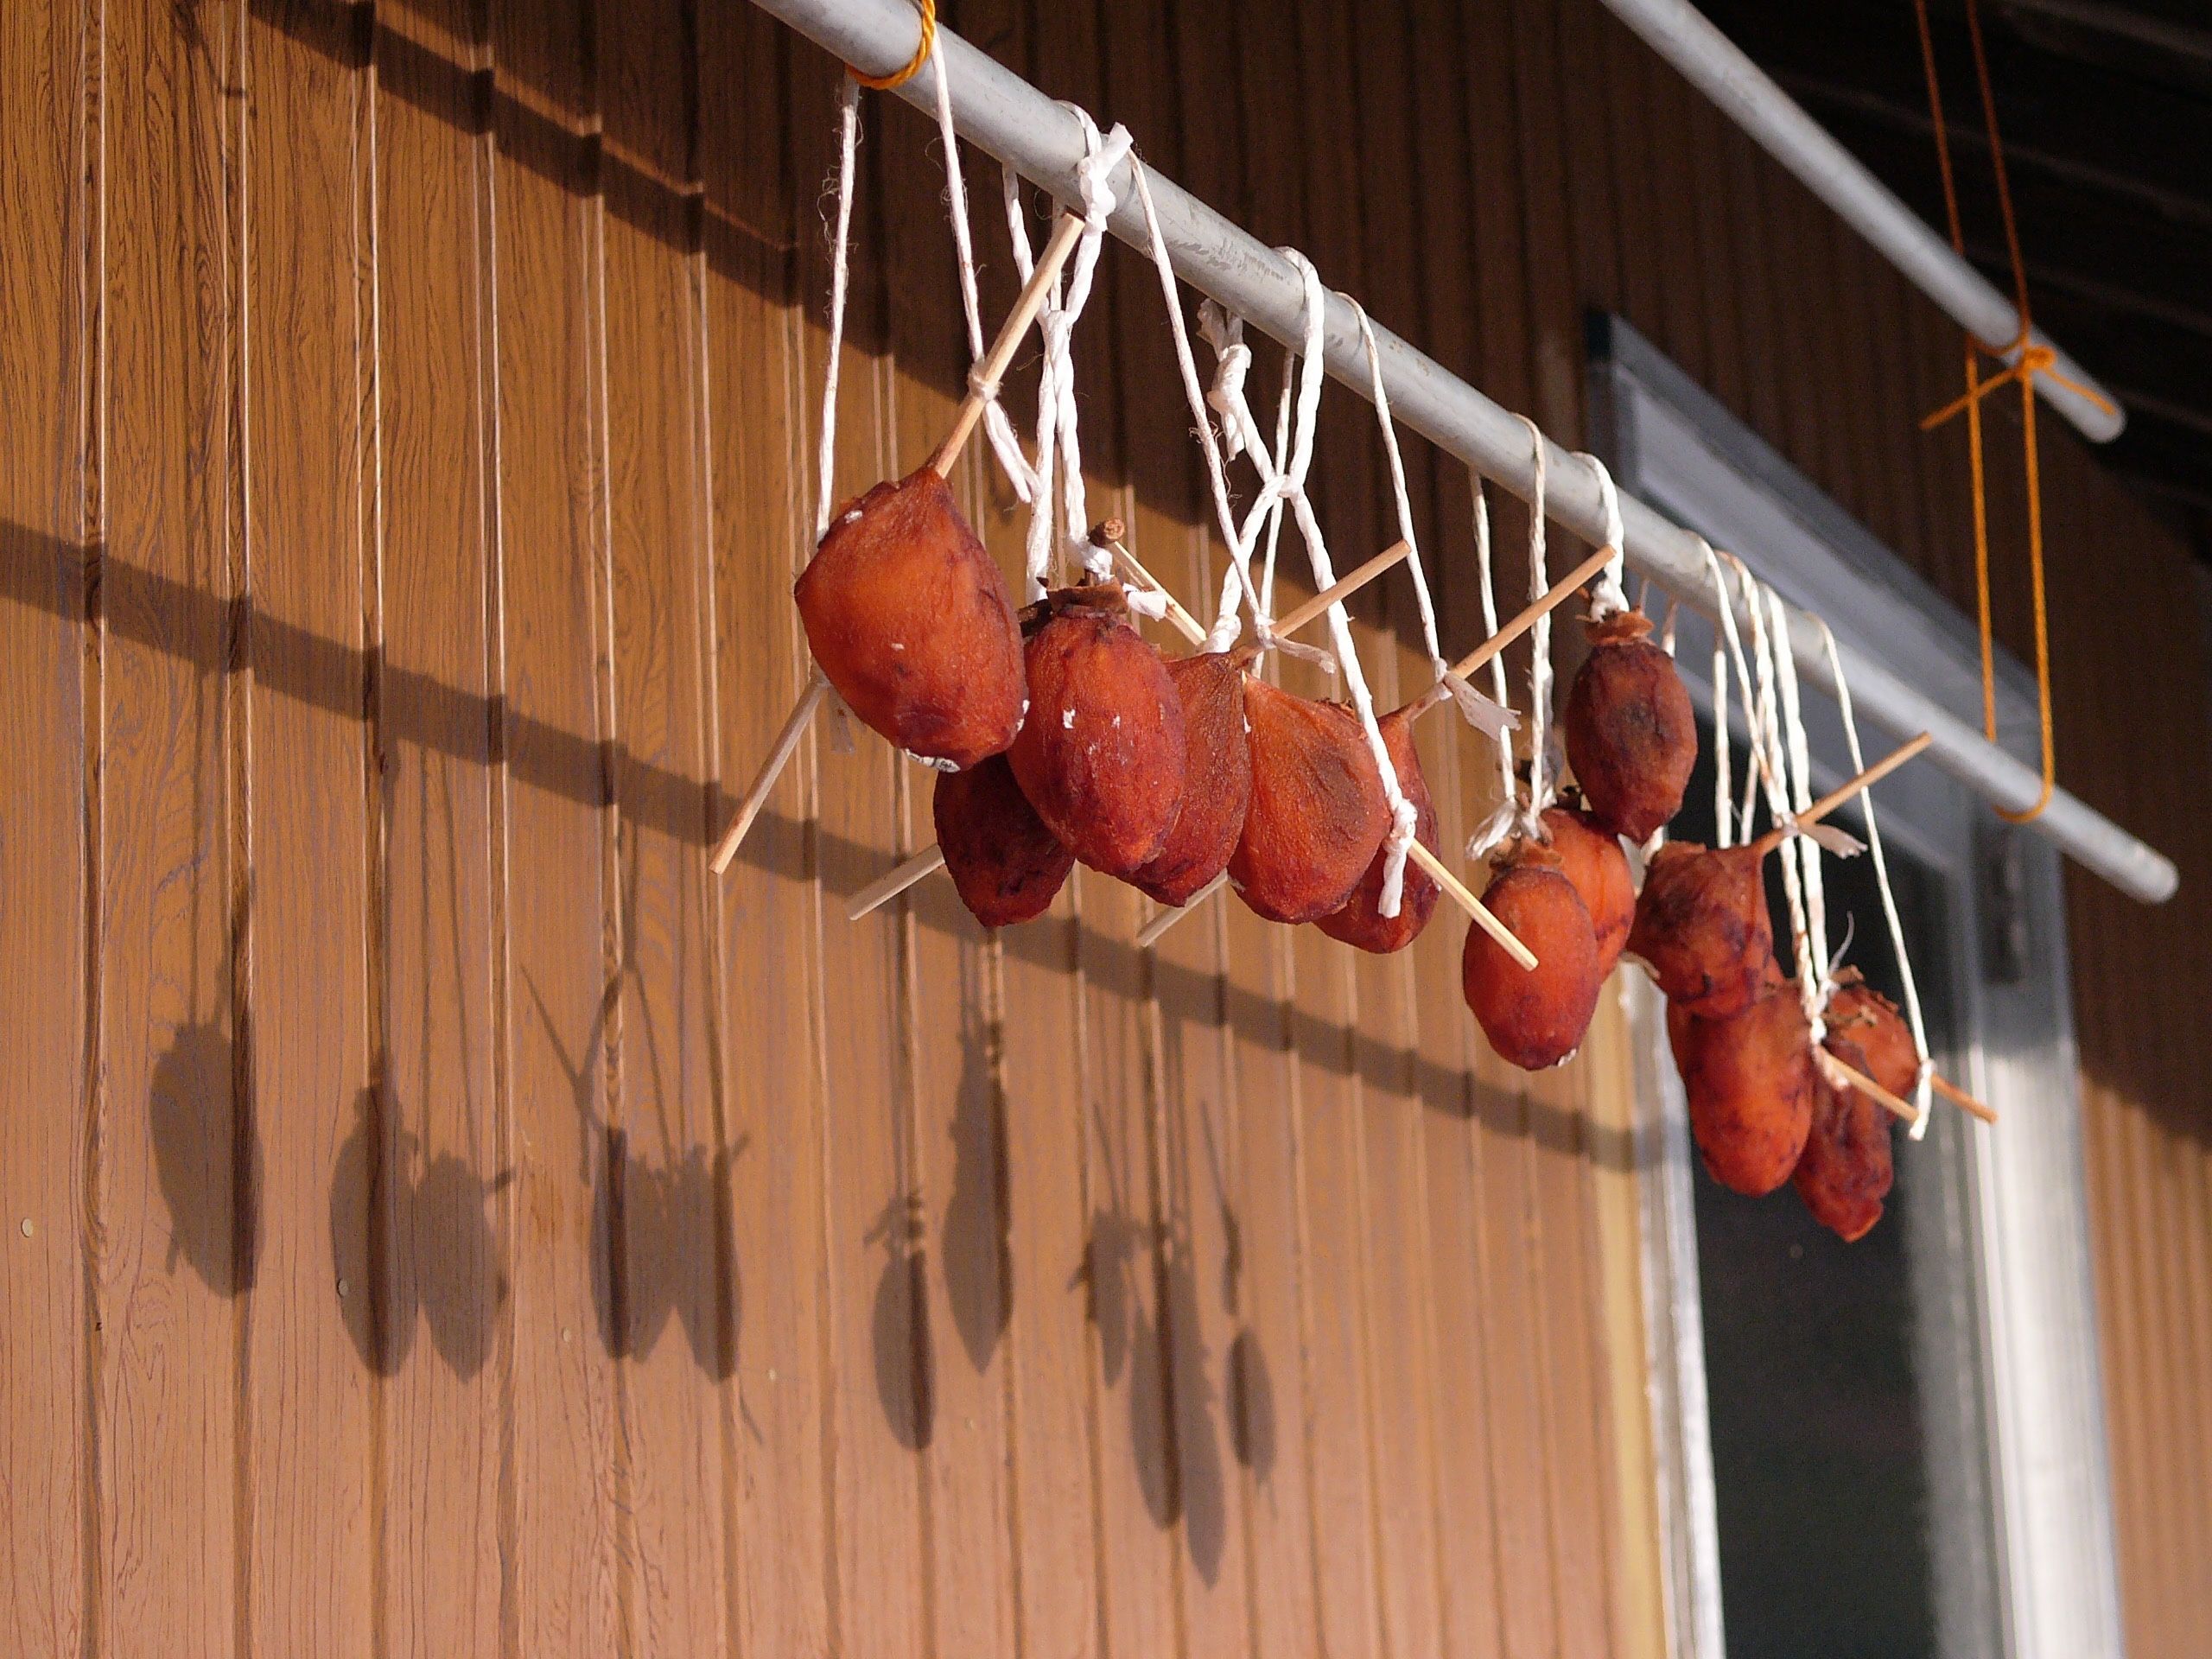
(440, 1217)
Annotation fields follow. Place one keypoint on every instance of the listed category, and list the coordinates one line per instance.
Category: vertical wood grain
(563, 1563)
(442, 1284)
(175, 1204)
(50, 1526)
(307, 1558)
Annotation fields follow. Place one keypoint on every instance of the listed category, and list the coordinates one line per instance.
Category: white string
(1291, 486)
(1238, 577)
(1513, 814)
(1058, 444)
(1494, 828)
(1381, 397)
(1608, 597)
(1724, 642)
(997, 425)
(1806, 851)
(848, 129)
(1927, 1071)
(1769, 750)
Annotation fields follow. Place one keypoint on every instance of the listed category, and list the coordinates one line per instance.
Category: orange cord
(2030, 358)
(900, 77)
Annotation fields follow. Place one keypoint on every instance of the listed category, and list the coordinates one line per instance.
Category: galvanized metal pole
(1678, 32)
(1004, 116)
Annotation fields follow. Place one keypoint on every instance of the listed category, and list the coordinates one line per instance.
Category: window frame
(1671, 443)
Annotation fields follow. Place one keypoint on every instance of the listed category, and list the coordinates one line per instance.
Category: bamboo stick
(1151, 933)
(1960, 1098)
(1341, 590)
(1842, 793)
(1475, 907)
(992, 368)
(1557, 595)
(1865, 1085)
(1108, 534)
(795, 724)
(882, 891)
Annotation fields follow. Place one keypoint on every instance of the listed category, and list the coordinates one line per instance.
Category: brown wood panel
(667, 1166)
(176, 1234)
(51, 1527)
(761, 433)
(562, 1592)
(439, 1135)
(309, 1556)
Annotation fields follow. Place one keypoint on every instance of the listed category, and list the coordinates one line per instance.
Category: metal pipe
(1710, 61)
(1002, 115)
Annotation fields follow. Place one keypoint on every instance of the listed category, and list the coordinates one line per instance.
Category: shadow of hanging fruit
(1317, 812)
(1859, 1014)
(1005, 864)
(1631, 736)
(1360, 922)
(1534, 1017)
(1749, 1080)
(1845, 1171)
(908, 618)
(1590, 856)
(1216, 777)
(1101, 755)
(1702, 925)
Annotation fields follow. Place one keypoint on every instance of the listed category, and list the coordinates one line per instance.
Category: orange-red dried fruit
(907, 616)
(1701, 924)
(1749, 1080)
(1861, 1015)
(1005, 864)
(1589, 855)
(1359, 922)
(1100, 756)
(1845, 1171)
(1316, 813)
(1216, 777)
(1534, 1017)
(1631, 736)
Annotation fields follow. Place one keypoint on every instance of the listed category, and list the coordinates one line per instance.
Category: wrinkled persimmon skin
(1589, 855)
(1359, 922)
(1005, 864)
(1845, 1171)
(1861, 1015)
(1216, 777)
(1631, 733)
(1534, 1017)
(1750, 1079)
(908, 618)
(1316, 813)
(1701, 924)
(1100, 756)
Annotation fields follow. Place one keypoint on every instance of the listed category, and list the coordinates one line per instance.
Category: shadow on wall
(207, 1158)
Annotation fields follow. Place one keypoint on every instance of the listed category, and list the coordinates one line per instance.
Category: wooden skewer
(1866, 1086)
(882, 891)
(1342, 588)
(1474, 906)
(756, 797)
(1108, 534)
(1557, 595)
(1843, 791)
(1151, 933)
(1960, 1098)
(992, 368)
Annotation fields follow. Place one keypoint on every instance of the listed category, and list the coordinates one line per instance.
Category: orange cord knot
(2030, 358)
(913, 66)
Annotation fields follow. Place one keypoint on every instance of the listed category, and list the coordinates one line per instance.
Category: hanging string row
(1923, 1082)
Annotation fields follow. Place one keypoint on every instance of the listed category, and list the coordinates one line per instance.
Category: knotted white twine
(1059, 445)
(1287, 488)
(996, 425)
(1513, 813)
(825, 463)
(1238, 577)
(1608, 597)
(1927, 1066)
(1486, 716)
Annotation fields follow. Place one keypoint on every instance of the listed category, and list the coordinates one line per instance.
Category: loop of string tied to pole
(900, 76)
(2029, 358)
(1513, 814)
